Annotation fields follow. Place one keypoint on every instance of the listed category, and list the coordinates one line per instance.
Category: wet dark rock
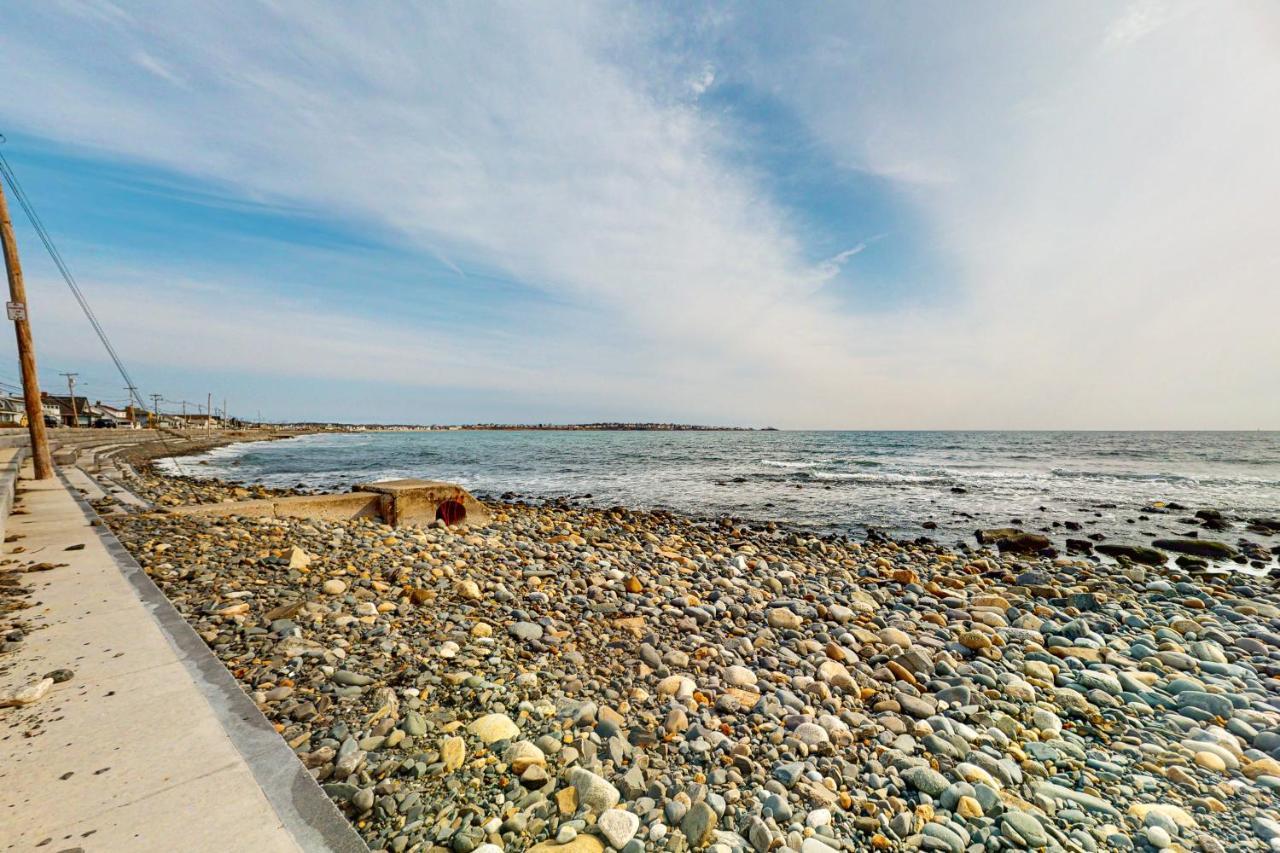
(1137, 553)
(1197, 548)
(1014, 540)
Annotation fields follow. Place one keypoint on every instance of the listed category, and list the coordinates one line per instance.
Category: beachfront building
(12, 411)
(197, 421)
(69, 413)
(121, 417)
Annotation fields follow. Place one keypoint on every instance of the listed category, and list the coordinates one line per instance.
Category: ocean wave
(960, 472)
(879, 479)
(1123, 476)
(1168, 479)
(776, 463)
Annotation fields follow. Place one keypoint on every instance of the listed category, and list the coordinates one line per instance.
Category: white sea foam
(829, 480)
(862, 477)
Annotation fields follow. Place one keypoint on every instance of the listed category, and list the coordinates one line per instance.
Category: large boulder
(1197, 547)
(594, 792)
(1137, 553)
(1014, 540)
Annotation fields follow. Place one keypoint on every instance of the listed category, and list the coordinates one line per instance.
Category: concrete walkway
(151, 744)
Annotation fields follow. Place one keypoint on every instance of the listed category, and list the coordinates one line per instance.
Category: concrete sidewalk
(151, 744)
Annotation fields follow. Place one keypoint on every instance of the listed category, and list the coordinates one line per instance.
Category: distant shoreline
(604, 426)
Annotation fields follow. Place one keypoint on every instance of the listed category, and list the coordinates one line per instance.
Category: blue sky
(845, 216)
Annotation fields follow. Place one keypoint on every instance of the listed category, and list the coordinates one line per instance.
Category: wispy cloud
(830, 268)
(513, 142)
(1099, 181)
(149, 63)
(1137, 21)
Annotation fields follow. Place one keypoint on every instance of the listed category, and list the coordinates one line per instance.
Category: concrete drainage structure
(399, 503)
(421, 502)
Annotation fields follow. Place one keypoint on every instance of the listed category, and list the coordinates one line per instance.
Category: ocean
(943, 485)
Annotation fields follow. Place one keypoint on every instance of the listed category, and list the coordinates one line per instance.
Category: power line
(6, 171)
(20, 194)
(71, 395)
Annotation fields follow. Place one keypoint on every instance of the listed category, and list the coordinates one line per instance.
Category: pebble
(494, 727)
(698, 825)
(27, 694)
(618, 827)
(569, 677)
(594, 792)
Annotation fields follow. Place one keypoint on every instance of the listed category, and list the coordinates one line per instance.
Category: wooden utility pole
(133, 393)
(208, 411)
(40, 458)
(71, 391)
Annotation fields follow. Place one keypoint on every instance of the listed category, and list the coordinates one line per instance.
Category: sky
(991, 215)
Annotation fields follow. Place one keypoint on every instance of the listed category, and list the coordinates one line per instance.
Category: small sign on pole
(17, 310)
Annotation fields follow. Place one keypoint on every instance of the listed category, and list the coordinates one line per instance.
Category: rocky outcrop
(1137, 553)
(1014, 540)
(1197, 548)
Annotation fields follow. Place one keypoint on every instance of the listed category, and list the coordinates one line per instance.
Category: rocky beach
(589, 679)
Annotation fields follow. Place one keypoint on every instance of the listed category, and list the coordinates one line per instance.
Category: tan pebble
(1262, 767)
(453, 751)
(522, 755)
(567, 800)
(895, 637)
(26, 694)
(494, 727)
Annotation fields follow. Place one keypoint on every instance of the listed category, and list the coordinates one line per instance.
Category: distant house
(111, 413)
(197, 421)
(71, 411)
(12, 411)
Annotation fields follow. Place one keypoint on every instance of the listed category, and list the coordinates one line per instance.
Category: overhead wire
(6, 171)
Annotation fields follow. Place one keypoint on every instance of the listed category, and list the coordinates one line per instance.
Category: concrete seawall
(10, 467)
(398, 503)
(127, 733)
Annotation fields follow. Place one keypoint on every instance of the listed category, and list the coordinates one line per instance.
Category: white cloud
(1107, 211)
(1137, 21)
(512, 140)
(704, 80)
(831, 267)
(1100, 180)
(149, 63)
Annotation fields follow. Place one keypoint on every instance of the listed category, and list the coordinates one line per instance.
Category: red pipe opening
(451, 512)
